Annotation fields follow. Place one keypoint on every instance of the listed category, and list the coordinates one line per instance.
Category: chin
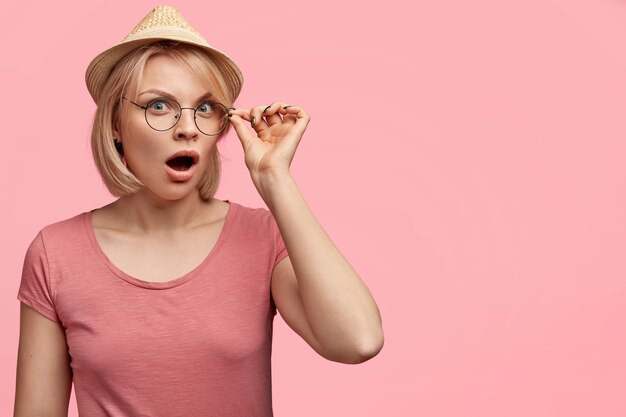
(175, 192)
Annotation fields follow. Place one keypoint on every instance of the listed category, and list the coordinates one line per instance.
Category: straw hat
(162, 23)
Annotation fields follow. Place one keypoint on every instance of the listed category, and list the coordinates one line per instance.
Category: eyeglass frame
(145, 115)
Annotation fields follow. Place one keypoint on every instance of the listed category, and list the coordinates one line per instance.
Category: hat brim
(101, 66)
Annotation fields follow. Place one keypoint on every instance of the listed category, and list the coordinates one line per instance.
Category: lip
(180, 176)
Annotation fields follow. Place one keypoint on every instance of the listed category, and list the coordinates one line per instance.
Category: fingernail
(267, 108)
(232, 108)
(253, 121)
(286, 107)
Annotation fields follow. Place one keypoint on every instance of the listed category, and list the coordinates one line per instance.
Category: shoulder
(64, 227)
(60, 235)
(252, 215)
(253, 222)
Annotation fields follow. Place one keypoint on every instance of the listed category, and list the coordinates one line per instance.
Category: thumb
(241, 127)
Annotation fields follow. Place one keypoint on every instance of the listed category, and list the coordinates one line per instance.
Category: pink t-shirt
(199, 345)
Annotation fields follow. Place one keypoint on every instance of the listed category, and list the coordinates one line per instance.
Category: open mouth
(180, 163)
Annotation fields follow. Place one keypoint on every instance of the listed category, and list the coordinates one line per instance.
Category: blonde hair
(124, 80)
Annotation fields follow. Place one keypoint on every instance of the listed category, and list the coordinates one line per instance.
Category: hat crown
(162, 23)
(162, 16)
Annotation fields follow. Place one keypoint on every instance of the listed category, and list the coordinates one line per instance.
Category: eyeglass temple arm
(138, 105)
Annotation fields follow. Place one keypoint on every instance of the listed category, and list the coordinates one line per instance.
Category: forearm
(338, 305)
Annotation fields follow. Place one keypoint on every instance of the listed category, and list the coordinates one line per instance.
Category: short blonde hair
(124, 80)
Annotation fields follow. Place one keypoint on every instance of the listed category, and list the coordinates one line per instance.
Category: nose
(186, 128)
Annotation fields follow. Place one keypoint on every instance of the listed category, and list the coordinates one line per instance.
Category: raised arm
(316, 290)
(44, 377)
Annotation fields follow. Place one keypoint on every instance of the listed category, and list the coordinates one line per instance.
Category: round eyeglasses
(163, 113)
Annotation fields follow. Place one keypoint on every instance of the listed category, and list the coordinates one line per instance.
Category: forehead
(173, 76)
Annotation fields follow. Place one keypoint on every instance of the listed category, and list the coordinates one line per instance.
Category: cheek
(142, 150)
(211, 155)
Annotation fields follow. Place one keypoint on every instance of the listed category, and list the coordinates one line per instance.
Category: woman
(162, 302)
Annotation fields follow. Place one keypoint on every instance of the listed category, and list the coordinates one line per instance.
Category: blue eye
(205, 109)
(159, 106)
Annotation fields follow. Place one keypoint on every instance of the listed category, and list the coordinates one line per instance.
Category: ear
(117, 140)
(118, 147)
(117, 132)
(117, 126)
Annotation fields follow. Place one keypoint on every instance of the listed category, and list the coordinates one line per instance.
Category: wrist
(272, 183)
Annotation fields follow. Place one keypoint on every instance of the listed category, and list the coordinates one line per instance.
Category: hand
(277, 131)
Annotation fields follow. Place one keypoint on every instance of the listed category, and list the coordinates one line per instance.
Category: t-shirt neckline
(88, 222)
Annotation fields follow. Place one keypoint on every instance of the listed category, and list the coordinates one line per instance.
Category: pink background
(466, 156)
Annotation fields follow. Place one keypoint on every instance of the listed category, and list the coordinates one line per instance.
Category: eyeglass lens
(163, 113)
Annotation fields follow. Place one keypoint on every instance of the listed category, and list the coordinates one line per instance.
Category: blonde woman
(162, 302)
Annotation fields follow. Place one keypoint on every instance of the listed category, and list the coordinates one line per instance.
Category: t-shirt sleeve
(36, 287)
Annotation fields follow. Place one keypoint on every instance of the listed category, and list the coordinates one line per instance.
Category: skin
(317, 292)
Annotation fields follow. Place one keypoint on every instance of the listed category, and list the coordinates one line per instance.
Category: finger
(271, 113)
(241, 127)
(241, 112)
(289, 119)
(256, 118)
(252, 116)
(288, 114)
(295, 115)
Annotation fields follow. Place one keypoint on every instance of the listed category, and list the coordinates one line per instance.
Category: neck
(147, 213)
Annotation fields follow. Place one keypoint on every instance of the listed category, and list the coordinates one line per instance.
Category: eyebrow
(156, 91)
